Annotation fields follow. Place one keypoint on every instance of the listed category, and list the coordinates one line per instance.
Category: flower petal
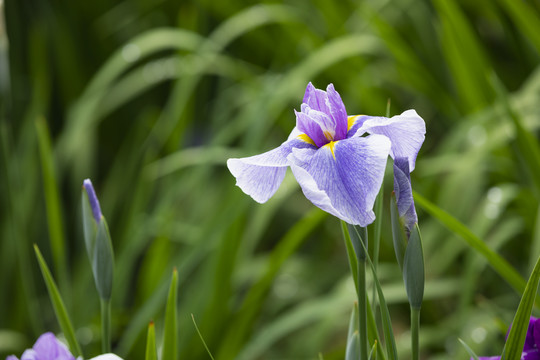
(403, 191)
(48, 346)
(108, 356)
(338, 112)
(406, 132)
(261, 175)
(343, 177)
(316, 99)
(312, 123)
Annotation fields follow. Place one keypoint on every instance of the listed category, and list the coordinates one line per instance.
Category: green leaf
(103, 261)
(58, 305)
(373, 352)
(52, 199)
(499, 264)
(353, 322)
(398, 232)
(170, 338)
(358, 235)
(526, 143)
(353, 347)
(469, 350)
(201, 337)
(413, 269)
(390, 341)
(151, 351)
(518, 332)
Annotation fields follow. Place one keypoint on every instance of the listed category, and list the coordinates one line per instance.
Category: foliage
(150, 98)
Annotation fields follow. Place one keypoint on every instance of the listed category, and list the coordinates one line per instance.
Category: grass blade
(58, 305)
(516, 338)
(52, 201)
(201, 337)
(499, 264)
(170, 340)
(151, 351)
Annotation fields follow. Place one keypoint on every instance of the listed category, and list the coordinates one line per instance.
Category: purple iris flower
(92, 198)
(531, 349)
(338, 169)
(47, 347)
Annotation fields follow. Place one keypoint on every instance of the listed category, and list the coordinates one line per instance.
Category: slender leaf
(58, 305)
(500, 265)
(201, 337)
(353, 347)
(170, 337)
(52, 200)
(151, 351)
(469, 350)
(516, 338)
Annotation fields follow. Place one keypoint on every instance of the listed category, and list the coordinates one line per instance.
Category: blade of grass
(499, 264)
(170, 337)
(151, 351)
(58, 305)
(201, 337)
(516, 338)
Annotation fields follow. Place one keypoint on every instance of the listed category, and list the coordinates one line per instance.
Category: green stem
(106, 326)
(362, 308)
(415, 327)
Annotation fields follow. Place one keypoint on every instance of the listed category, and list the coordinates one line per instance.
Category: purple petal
(406, 132)
(316, 99)
(30, 354)
(48, 347)
(92, 198)
(536, 331)
(12, 357)
(530, 355)
(311, 128)
(488, 358)
(261, 175)
(403, 191)
(343, 177)
(337, 109)
(355, 122)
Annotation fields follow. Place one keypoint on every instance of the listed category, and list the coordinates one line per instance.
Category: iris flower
(48, 347)
(338, 160)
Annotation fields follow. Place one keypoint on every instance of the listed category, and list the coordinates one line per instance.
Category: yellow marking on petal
(306, 139)
(328, 135)
(331, 145)
(351, 120)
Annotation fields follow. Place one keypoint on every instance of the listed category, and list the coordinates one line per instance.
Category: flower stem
(415, 327)
(106, 326)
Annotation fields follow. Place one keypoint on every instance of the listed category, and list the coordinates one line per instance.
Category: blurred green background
(148, 98)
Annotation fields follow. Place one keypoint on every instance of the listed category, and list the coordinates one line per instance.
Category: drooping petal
(403, 191)
(338, 112)
(343, 177)
(261, 175)
(406, 132)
